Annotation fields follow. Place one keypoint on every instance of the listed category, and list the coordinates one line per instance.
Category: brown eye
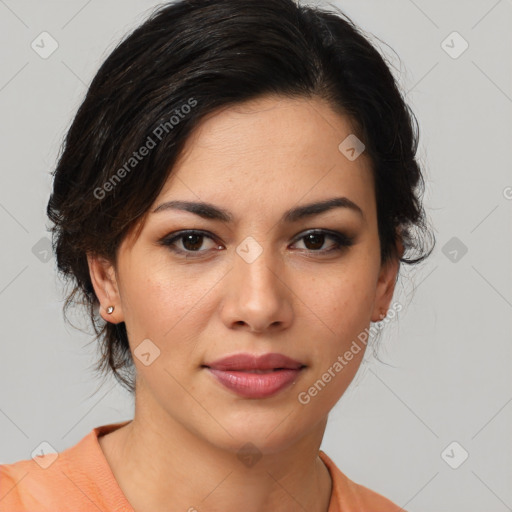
(315, 240)
(188, 243)
(191, 242)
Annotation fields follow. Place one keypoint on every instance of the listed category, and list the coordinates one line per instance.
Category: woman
(232, 204)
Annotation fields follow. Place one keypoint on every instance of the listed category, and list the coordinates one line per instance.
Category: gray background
(448, 354)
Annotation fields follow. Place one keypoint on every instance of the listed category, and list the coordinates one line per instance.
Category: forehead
(269, 145)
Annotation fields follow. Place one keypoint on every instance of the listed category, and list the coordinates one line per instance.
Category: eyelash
(342, 241)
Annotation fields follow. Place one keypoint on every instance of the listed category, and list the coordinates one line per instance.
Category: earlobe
(104, 282)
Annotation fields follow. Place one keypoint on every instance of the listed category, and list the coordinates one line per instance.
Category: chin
(269, 431)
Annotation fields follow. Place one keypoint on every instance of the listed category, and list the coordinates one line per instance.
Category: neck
(157, 461)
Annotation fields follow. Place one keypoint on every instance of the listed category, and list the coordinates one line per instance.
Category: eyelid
(342, 240)
(324, 231)
(170, 238)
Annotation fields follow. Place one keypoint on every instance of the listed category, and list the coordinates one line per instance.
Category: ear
(104, 281)
(386, 285)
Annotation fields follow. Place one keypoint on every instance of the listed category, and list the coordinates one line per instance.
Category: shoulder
(27, 485)
(77, 478)
(353, 497)
(10, 498)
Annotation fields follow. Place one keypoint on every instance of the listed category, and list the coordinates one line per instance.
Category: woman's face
(257, 283)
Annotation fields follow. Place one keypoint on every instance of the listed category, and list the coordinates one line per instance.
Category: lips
(255, 364)
(255, 377)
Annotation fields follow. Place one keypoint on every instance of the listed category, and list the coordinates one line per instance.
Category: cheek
(345, 303)
(341, 316)
(163, 303)
(342, 313)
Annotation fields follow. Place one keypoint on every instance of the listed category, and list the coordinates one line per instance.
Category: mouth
(255, 364)
(255, 377)
(256, 383)
(251, 370)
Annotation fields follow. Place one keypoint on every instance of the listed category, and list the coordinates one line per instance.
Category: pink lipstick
(255, 376)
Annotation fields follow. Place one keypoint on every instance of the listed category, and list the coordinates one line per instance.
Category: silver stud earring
(110, 310)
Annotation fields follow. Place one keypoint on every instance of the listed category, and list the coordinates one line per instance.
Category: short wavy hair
(219, 53)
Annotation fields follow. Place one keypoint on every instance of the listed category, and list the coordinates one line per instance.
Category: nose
(256, 297)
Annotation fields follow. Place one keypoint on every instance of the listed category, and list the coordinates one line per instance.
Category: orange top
(80, 480)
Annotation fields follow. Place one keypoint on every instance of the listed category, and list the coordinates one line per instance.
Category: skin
(256, 160)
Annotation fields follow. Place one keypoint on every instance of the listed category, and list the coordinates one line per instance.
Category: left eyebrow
(210, 211)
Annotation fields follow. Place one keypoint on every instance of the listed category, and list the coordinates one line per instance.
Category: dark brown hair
(189, 59)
